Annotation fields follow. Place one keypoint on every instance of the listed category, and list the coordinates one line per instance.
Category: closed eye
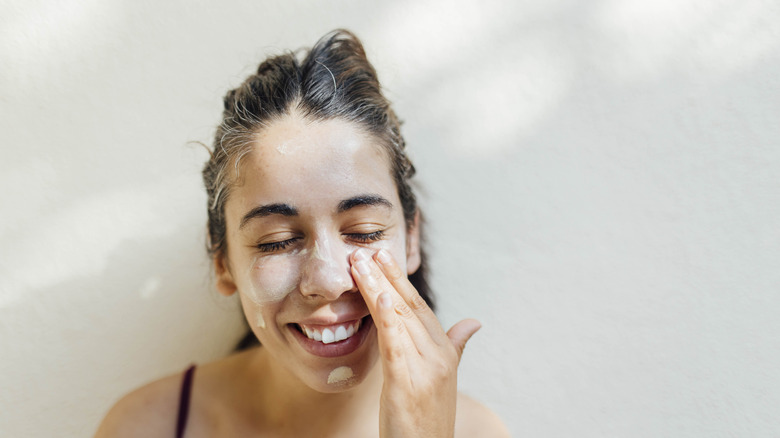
(357, 237)
(366, 237)
(276, 246)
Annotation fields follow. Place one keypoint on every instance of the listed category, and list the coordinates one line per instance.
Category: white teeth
(328, 337)
(332, 334)
(341, 333)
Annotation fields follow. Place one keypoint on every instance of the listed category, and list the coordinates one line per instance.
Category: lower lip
(335, 349)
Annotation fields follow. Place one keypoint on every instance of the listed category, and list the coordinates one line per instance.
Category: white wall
(602, 182)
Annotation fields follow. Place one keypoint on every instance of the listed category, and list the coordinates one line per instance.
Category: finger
(408, 292)
(366, 281)
(372, 283)
(461, 332)
(389, 335)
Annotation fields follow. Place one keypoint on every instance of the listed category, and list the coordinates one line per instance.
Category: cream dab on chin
(340, 375)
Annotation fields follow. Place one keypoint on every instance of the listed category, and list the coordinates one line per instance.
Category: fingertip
(468, 325)
(388, 265)
(360, 254)
(461, 332)
(474, 327)
(383, 257)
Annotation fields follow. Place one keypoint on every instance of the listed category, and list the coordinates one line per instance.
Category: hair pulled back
(334, 80)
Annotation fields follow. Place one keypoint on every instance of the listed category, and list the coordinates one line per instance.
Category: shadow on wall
(149, 311)
(606, 166)
(571, 151)
(505, 71)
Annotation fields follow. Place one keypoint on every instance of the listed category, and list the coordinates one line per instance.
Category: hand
(419, 360)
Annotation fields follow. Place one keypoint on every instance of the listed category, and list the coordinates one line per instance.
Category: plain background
(601, 180)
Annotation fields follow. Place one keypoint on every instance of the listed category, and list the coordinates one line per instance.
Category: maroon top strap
(184, 401)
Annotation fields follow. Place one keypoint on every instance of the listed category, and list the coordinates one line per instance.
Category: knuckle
(404, 311)
(417, 302)
(393, 352)
(388, 323)
(370, 284)
(372, 280)
(442, 367)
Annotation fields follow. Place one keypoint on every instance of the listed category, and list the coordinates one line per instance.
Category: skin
(404, 375)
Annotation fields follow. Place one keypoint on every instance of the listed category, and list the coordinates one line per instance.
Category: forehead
(298, 161)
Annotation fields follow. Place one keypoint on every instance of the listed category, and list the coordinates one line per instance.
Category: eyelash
(276, 246)
(367, 237)
(281, 245)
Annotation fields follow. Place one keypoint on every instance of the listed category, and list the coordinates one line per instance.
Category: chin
(341, 375)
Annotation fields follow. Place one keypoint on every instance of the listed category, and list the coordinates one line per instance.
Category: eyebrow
(288, 210)
(363, 200)
(268, 210)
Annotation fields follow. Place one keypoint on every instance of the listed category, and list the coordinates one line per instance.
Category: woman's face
(307, 196)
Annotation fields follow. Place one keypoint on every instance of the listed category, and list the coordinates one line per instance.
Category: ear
(225, 284)
(413, 257)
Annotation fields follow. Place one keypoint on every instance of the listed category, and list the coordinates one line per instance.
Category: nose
(326, 271)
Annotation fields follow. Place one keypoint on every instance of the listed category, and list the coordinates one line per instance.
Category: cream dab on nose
(315, 253)
(339, 375)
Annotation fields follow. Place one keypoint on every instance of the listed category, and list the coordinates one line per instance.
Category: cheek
(271, 278)
(267, 282)
(254, 312)
(397, 248)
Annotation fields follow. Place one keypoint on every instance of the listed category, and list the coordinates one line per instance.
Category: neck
(286, 400)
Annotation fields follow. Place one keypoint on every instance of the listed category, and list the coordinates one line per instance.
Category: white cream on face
(325, 263)
(340, 375)
(312, 167)
(331, 161)
(315, 253)
(272, 277)
(327, 267)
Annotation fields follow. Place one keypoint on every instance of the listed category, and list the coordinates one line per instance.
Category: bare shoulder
(149, 411)
(475, 419)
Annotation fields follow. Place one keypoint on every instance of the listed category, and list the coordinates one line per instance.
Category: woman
(312, 221)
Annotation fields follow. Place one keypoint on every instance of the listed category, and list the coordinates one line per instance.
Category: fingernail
(383, 257)
(362, 267)
(385, 300)
(361, 254)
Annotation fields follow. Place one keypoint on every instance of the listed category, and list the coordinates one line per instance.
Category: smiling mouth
(330, 333)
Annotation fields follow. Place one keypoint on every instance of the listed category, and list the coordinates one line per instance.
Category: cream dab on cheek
(260, 321)
(271, 278)
(340, 375)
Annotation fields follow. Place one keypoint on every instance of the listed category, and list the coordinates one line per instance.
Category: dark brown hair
(333, 80)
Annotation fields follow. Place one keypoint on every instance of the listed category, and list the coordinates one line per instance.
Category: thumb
(461, 332)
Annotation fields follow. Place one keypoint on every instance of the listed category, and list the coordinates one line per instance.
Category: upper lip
(337, 319)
